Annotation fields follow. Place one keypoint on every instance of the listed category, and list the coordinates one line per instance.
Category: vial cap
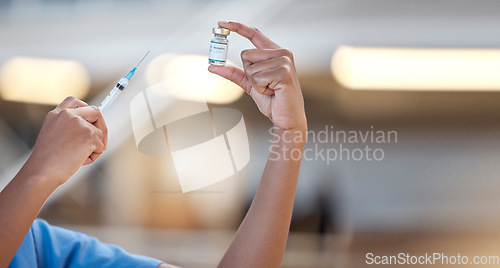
(221, 31)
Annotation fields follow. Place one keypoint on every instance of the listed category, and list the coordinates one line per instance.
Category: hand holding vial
(269, 77)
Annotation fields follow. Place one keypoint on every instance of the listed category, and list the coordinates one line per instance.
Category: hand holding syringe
(120, 86)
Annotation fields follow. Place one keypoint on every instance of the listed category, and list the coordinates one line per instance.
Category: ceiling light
(417, 69)
(191, 74)
(43, 81)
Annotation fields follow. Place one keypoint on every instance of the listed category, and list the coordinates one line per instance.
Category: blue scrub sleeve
(58, 247)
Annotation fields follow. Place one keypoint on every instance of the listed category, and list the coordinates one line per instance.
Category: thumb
(233, 74)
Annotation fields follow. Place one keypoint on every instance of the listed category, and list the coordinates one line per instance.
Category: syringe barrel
(110, 98)
(122, 83)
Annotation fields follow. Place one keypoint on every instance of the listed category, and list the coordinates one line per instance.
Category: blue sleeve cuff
(58, 247)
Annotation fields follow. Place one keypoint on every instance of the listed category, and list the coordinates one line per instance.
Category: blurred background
(427, 69)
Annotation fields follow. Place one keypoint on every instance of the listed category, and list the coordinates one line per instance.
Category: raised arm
(72, 135)
(270, 78)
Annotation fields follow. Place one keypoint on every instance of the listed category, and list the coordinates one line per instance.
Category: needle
(142, 59)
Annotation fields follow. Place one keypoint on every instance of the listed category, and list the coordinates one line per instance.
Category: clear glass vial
(218, 47)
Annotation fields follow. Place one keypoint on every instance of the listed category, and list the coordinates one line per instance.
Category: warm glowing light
(191, 74)
(417, 69)
(44, 81)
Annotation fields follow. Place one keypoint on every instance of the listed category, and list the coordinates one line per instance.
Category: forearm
(20, 202)
(261, 238)
(72, 134)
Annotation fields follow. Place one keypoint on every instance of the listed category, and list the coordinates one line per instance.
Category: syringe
(120, 86)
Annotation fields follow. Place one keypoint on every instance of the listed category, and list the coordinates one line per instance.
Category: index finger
(71, 103)
(101, 124)
(255, 36)
(92, 115)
